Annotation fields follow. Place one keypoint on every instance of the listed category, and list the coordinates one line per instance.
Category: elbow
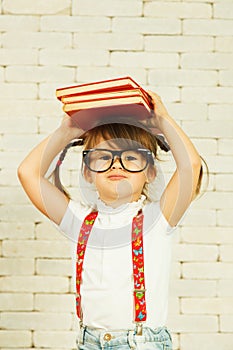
(21, 172)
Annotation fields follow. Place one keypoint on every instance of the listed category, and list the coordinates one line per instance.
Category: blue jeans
(151, 339)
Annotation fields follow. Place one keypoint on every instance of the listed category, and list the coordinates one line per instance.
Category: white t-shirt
(107, 277)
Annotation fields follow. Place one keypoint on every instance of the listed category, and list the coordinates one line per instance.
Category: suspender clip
(139, 329)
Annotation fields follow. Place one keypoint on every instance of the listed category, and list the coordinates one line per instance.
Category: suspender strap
(81, 248)
(138, 268)
(137, 259)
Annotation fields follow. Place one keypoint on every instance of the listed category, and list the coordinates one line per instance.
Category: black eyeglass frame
(148, 153)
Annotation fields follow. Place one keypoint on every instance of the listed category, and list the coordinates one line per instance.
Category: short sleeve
(72, 220)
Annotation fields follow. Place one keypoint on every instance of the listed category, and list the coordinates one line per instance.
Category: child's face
(117, 185)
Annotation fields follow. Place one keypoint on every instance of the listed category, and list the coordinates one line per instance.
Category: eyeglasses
(100, 160)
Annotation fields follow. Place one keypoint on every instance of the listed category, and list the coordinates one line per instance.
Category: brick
(19, 142)
(2, 71)
(216, 111)
(47, 231)
(8, 125)
(214, 200)
(30, 108)
(177, 10)
(37, 249)
(16, 302)
(55, 302)
(210, 95)
(37, 8)
(74, 57)
(149, 60)
(199, 217)
(225, 218)
(208, 27)
(54, 267)
(192, 252)
(147, 25)
(87, 74)
(183, 77)
(207, 61)
(225, 288)
(177, 43)
(8, 179)
(226, 78)
(226, 253)
(15, 338)
(208, 270)
(194, 324)
(39, 74)
(206, 146)
(47, 124)
(18, 91)
(224, 182)
(75, 24)
(223, 10)
(18, 57)
(36, 320)
(188, 111)
(47, 92)
(193, 288)
(112, 41)
(174, 305)
(19, 23)
(226, 322)
(211, 235)
(208, 306)
(222, 163)
(16, 266)
(16, 230)
(36, 40)
(113, 8)
(224, 43)
(170, 93)
(206, 341)
(225, 146)
(34, 284)
(56, 339)
(9, 192)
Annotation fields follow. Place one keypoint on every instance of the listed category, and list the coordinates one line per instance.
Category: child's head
(121, 161)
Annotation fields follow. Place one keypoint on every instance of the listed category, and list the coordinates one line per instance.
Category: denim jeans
(151, 339)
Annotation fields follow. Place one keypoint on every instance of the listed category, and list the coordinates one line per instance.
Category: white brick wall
(184, 51)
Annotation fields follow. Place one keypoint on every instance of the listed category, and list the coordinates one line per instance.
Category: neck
(115, 203)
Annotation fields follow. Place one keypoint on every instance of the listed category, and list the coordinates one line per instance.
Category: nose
(116, 163)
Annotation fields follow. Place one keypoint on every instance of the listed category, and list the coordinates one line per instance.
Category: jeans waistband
(100, 337)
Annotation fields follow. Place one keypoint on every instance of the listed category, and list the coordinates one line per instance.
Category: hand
(160, 112)
(70, 129)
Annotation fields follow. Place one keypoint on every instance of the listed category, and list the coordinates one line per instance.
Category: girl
(123, 245)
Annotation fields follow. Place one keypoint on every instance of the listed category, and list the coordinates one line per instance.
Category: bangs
(120, 135)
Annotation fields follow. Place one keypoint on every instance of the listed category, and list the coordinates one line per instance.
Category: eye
(105, 157)
(130, 158)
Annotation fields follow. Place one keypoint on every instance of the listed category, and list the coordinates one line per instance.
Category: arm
(181, 189)
(31, 172)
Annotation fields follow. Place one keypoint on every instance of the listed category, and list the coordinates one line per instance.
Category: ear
(87, 175)
(150, 174)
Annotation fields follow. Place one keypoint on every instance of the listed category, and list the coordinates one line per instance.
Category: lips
(116, 177)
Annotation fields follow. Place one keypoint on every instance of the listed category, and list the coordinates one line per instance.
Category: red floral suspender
(137, 259)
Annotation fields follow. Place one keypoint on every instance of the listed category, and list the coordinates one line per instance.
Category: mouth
(116, 177)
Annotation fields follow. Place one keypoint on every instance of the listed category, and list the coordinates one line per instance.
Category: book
(120, 84)
(113, 99)
(102, 96)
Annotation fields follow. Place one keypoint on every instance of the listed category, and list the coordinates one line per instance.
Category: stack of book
(93, 102)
